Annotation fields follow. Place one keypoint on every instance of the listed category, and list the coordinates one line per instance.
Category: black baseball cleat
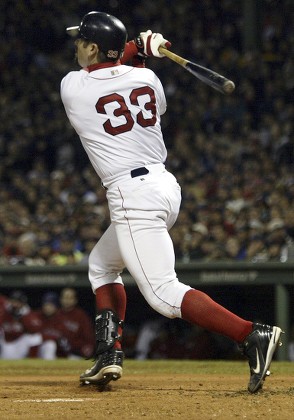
(259, 347)
(107, 367)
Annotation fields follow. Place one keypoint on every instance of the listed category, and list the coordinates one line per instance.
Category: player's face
(81, 53)
(49, 308)
(85, 52)
(68, 299)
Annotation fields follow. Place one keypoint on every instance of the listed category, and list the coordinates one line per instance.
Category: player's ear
(94, 49)
(92, 52)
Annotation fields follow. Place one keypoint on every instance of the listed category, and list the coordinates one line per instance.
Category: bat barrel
(211, 78)
(207, 76)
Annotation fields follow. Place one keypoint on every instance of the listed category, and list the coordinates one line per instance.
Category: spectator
(198, 236)
(234, 249)
(256, 250)
(211, 250)
(20, 327)
(77, 325)
(28, 250)
(66, 254)
(54, 343)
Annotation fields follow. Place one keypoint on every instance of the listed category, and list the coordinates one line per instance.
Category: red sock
(198, 308)
(112, 296)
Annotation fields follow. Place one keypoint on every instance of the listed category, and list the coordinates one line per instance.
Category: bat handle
(174, 57)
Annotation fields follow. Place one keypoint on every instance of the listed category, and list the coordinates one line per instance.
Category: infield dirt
(35, 389)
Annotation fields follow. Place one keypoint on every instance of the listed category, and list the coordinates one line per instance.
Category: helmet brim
(73, 31)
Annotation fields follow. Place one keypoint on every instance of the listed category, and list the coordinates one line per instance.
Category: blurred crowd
(58, 328)
(233, 155)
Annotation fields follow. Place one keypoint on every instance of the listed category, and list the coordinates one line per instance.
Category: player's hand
(148, 44)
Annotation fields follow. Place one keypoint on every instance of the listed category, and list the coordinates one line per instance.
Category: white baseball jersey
(115, 109)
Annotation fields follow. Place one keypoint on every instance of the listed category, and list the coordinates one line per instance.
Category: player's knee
(94, 259)
(167, 298)
(96, 268)
(99, 276)
(163, 308)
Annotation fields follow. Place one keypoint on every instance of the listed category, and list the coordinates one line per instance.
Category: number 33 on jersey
(124, 112)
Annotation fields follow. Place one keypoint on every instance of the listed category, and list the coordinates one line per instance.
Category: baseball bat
(207, 76)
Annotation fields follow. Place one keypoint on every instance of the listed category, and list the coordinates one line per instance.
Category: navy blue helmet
(107, 31)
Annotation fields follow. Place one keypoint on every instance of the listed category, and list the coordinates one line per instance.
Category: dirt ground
(151, 396)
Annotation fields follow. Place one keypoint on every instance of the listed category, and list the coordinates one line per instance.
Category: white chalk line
(54, 400)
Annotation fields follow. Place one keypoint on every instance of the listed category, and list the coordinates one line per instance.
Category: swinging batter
(116, 110)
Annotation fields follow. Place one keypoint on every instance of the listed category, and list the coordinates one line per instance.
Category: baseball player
(116, 109)
(77, 325)
(19, 327)
(54, 342)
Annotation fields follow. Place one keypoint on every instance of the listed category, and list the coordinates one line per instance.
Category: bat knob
(229, 86)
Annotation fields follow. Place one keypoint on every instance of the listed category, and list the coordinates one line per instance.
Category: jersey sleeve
(161, 99)
(130, 51)
(131, 55)
(71, 84)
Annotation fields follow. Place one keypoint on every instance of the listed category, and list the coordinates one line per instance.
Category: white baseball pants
(142, 211)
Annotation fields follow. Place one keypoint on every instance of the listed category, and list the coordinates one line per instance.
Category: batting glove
(148, 44)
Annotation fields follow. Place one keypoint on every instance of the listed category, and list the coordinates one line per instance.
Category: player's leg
(171, 298)
(148, 253)
(143, 210)
(149, 208)
(149, 257)
(105, 266)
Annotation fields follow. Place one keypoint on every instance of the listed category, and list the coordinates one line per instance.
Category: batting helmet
(108, 32)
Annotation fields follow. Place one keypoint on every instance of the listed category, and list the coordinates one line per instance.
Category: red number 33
(123, 111)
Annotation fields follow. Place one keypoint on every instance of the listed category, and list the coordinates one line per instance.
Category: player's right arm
(143, 46)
